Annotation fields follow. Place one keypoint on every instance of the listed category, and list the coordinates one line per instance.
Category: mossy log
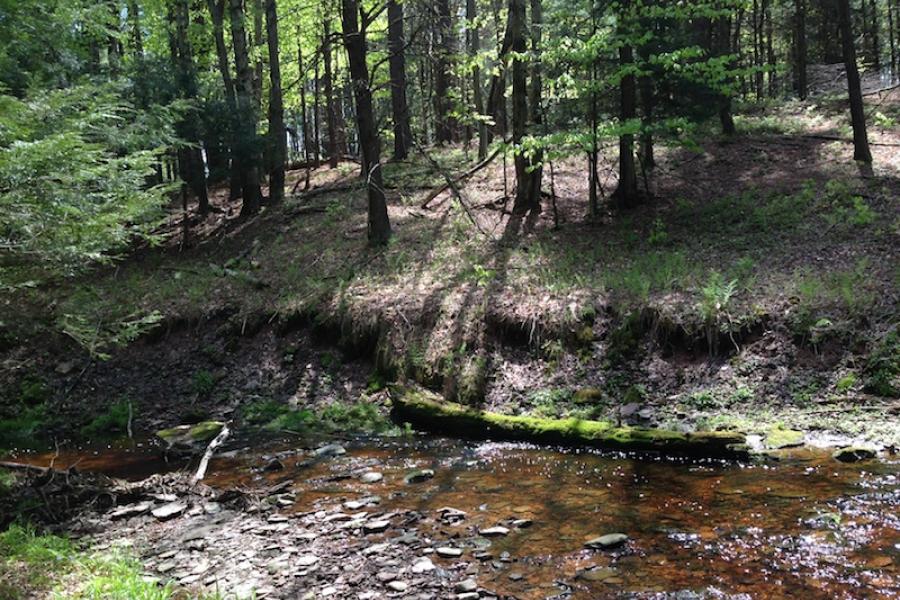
(426, 410)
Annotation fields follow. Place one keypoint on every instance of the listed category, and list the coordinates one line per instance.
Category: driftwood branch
(450, 183)
(210, 450)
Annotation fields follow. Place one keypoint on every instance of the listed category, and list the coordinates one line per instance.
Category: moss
(778, 437)
(587, 395)
(113, 421)
(201, 432)
(426, 409)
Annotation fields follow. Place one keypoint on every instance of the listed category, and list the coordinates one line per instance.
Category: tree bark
(519, 103)
(191, 157)
(444, 126)
(379, 226)
(397, 67)
(626, 192)
(304, 123)
(330, 109)
(245, 149)
(861, 150)
(477, 88)
(892, 35)
(277, 135)
(800, 48)
(217, 13)
(721, 46)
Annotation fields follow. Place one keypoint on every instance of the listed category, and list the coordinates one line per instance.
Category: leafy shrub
(882, 369)
(203, 383)
(111, 423)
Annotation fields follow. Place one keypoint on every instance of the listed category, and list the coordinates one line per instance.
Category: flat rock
(376, 526)
(853, 454)
(449, 552)
(169, 511)
(466, 585)
(397, 586)
(307, 560)
(423, 565)
(494, 531)
(419, 476)
(329, 450)
(371, 477)
(131, 510)
(610, 540)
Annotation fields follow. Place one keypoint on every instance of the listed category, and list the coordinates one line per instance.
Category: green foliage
(23, 427)
(98, 331)
(46, 565)
(658, 234)
(33, 391)
(846, 383)
(548, 403)
(110, 424)
(338, 417)
(882, 369)
(203, 383)
(74, 166)
(845, 209)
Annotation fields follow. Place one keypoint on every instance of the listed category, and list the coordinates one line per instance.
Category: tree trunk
(721, 47)
(330, 109)
(444, 126)
(217, 13)
(626, 192)
(770, 47)
(277, 136)
(137, 37)
(800, 48)
(258, 42)
(892, 35)
(191, 158)
(379, 226)
(304, 123)
(245, 149)
(594, 154)
(861, 150)
(497, 95)
(397, 67)
(477, 90)
(535, 162)
(317, 137)
(875, 37)
(519, 103)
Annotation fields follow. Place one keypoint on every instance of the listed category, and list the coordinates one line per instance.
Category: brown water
(805, 526)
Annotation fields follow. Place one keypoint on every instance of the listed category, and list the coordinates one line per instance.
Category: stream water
(802, 526)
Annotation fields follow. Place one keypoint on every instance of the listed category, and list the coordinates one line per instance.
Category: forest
(500, 299)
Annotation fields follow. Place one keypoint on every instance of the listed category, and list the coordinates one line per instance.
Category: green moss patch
(779, 437)
(427, 410)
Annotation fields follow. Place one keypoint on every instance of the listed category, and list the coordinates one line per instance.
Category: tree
(444, 126)
(397, 66)
(516, 18)
(190, 157)
(217, 13)
(330, 107)
(474, 43)
(861, 150)
(379, 226)
(800, 47)
(626, 192)
(277, 135)
(245, 149)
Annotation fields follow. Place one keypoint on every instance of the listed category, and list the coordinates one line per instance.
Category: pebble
(330, 450)
(419, 476)
(516, 576)
(371, 477)
(423, 565)
(467, 596)
(376, 526)
(448, 552)
(131, 510)
(307, 560)
(494, 531)
(610, 540)
(168, 511)
(466, 585)
(397, 586)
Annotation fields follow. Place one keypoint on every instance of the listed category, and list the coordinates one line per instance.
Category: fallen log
(450, 183)
(427, 410)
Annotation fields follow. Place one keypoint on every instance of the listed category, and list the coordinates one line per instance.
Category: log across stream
(363, 515)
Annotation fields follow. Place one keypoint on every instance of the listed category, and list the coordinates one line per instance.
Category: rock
(169, 511)
(853, 454)
(448, 552)
(598, 574)
(610, 540)
(329, 450)
(131, 510)
(419, 476)
(371, 477)
(494, 531)
(466, 585)
(468, 596)
(190, 438)
(629, 409)
(783, 438)
(423, 565)
(375, 526)
(354, 505)
(516, 576)
(451, 514)
(307, 560)
(397, 586)
(385, 576)
(165, 567)
(273, 465)
(522, 523)
(66, 367)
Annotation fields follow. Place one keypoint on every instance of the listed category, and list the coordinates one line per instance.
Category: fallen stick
(460, 179)
(453, 186)
(210, 450)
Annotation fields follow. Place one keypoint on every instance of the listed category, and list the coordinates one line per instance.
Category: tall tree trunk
(770, 47)
(245, 148)
(648, 98)
(594, 153)
(861, 150)
(535, 162)
(875, 34)
(277, 135)
(217, 13)
(330, 108)
(379, 226)
(757, 50)
(258, 41)
(473, 32)
(519, 102)
(800, 48)
(397, 67)
(304, 122)
(191, 158)
(444, 125)
(137, 37)
(892, 35)
(722, 45)
(317, 137)
(497, 95)
(626, 192)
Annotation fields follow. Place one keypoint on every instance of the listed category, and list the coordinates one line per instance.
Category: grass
(33, 564)
(110, 424)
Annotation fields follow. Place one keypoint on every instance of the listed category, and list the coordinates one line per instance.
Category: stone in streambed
(853, 454)
(783, 438)
(191, 436)
(448, 552)
(169, 511)
(610, 540)
(329, 450)
(307, 560)
(131, 510)
(376, 526)
(465, 586)
(397, 586)
(494, 531)
(419, 476)
(423, 565)
(371, 477)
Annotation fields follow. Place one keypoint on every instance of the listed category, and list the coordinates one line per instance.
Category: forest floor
(758, 289)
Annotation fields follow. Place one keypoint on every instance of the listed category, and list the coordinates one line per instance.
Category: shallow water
(805, 526)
